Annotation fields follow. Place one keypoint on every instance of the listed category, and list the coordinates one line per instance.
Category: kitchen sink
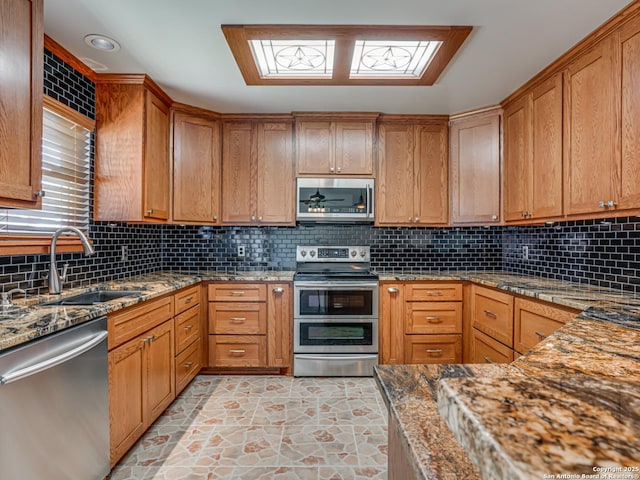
(95, 298)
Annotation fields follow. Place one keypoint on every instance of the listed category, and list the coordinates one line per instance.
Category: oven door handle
(330, 285)
(340, 358)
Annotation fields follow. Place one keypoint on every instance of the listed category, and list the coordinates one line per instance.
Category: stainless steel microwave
(348, 200)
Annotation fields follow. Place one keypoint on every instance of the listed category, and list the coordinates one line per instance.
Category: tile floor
(265, 427)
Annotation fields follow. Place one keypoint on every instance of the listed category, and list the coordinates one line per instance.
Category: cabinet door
(517, 159)
(238, 172)
(315, 152)
(354, 148)
(430, 167)
(156, 159)
(127, 383)
(394, 200)
(492, 313)
(196, 169)
(475, 170)
(534, 321)
(160, 369)
(275, 198)
(391, 344)
(546, 181)
(279, 325)
(629, 173)
(21, 38)
(485, 349)
(590, 129)
(433, 348)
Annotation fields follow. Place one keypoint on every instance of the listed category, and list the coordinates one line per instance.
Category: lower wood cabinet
(189, 332)
(238, 350)
(485, 349)
(433, 348)
(535, 321)
(492, 313)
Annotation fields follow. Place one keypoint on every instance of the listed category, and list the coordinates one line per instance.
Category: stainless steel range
(335, 312)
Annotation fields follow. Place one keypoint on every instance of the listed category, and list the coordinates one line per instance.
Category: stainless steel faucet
(55, 279)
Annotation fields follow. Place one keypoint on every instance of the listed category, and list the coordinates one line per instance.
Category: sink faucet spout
(55, 279)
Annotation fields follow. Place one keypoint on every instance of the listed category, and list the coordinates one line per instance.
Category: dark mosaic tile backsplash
(605, 254)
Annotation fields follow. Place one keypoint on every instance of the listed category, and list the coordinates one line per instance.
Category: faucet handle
(65, 267)
(6, 296)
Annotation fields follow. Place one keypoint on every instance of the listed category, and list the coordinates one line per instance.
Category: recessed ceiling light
(102, 42)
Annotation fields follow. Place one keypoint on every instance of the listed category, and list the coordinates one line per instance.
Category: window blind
(65, 181)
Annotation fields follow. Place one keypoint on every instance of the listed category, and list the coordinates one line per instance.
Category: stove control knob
(353, 253)
(303, 253)
(363, 253)
(312, 253)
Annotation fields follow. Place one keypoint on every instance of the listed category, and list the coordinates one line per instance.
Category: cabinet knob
(410, 218)
(215, 217)
(237, 319)
(541, 336)
(393, 290)
(488, 360)
(253, 218)
(150, 339)
(237, 352)
(39, 193)
(489, 313)
(259, 219)
(601, 204)
(331, 169)
(494, 217)
(339, 169)
(188, 328)
(417, 219)
(434, 320)
(278, 290)
(188, 364)
(611, 204)
(150, 211)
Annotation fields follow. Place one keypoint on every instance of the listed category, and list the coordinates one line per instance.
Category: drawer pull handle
(438, 350)
(393, 290)
(150, 339)
(237, 319)
(488, 360)
(237, 351)
(236, 293)
(434, 320)
(542, 336)
(188, 300)
(278, 290)
(489, 313)
(188, 364)
(433, 293)
(188, 328)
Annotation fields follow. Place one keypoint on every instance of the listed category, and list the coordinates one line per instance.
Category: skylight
(373, 58)
(294, 58)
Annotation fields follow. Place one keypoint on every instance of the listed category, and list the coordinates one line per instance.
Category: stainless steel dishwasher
(54, 406)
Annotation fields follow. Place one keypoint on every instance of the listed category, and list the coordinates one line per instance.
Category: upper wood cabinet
(533, 154)
(334, 144)
(412, 172)
(475, 168)
(591, 103)
(132, 150)
(21, 50)
(196, 166)
(257, 172)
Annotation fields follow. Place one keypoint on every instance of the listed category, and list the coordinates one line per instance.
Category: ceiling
(181, 46)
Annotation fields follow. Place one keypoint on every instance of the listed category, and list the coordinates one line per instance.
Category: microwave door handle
(369, 200)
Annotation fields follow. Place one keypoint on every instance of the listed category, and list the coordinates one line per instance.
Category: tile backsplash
(605, 253)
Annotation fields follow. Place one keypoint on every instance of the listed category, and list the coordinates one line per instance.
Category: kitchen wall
(605, 253)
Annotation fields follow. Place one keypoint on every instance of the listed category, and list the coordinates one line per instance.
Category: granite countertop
(570, 406)
(31, 319)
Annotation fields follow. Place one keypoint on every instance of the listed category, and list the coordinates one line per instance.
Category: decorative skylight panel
(293, 58)
(391, 59)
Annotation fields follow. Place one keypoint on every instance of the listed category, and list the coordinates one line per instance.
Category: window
(66, 143)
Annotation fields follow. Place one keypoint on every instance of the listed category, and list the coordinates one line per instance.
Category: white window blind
(65, 181)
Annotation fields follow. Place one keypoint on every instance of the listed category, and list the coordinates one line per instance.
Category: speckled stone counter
(32, 319)
(567, 406)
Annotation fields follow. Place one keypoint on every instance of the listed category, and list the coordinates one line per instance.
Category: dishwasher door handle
(53, 361)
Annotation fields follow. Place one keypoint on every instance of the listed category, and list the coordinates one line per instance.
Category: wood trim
(257, 117)
(335, 115)
(69, 113)
(238, 37)
(195, 111)
(625, 15)
(412, 119)
(15, 245)
(477, 112)
(136, 79)
(68, 57)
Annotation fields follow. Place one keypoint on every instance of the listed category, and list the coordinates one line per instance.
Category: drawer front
(433, 348)
(534, 321)
(237, 350)
(136, 320)
(485, 349)
(493, 314)
(188, 364)
(433, 292)
(187, 328)
(433, 317)
(187, 298)
(238, 318)
(237, 292)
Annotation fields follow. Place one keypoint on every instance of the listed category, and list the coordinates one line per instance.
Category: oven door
(334, 299)
(335, 336)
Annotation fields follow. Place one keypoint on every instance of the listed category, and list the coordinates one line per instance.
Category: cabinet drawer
(237, 292)
(136, 320)
(188, 364)
(187, 298)
(485, 349)
(433, 317)
(493, 314)
(237, 350)
(238, 318)
(433, 348)
(187, 328)
(433, 292)
(534, 321)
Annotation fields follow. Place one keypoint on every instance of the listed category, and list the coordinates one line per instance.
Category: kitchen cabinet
(475, 168)
(141, 370)
(196, 166)
(492, 314)
(279, 325)
(21, 46)
(257, 173)
(335, 144)
(391, 318)
(132, 150)
(188, 336)
(412, 184)
(533, 182)
(485, 349)
(535, 321)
